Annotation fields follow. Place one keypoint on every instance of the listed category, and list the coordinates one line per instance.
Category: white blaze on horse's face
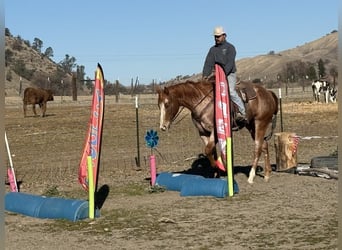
(164, 125)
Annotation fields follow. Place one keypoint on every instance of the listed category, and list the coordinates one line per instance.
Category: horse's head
(168, 106)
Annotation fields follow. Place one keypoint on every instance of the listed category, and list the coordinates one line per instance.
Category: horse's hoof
(250, 181)
(266, 178)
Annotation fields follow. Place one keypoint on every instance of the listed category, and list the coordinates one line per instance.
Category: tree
(48, 52)
(289, 71)
(89, 83)
(20, 69)
(9, 76)
(58, 83)
(8, 57)
(68, 64)
(312, 75)
(7, 32)
(27, 42)
(37, 44)
(80, 72)
(321, 68)
(334, 73)
(17, 44)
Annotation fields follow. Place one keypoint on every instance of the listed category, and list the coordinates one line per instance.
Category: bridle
(182, 108)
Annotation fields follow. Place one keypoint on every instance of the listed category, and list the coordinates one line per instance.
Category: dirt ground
(290, 212)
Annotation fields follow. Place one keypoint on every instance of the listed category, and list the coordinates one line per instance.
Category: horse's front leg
(209, 148)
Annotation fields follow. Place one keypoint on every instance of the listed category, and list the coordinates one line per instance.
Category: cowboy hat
(218, 31)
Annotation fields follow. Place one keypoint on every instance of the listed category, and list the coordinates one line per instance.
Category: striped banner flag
(223, 126)
(92, 146)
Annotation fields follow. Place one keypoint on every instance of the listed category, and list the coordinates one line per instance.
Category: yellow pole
(229, 167)
(91, 189)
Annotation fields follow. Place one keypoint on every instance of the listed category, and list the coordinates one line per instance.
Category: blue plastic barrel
(22, 203)
(174, 181)
(59, 208)
(47, 207)
(207, 187)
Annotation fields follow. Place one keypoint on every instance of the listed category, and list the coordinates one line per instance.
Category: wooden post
(74, 87)
(117, 91)
(286, 150)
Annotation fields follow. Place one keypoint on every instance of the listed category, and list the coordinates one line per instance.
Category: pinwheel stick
(153, 169)
(151, 139)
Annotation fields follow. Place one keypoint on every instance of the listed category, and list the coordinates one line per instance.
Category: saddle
(246, 92)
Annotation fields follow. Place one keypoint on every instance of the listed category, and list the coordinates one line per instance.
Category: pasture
(289, 212)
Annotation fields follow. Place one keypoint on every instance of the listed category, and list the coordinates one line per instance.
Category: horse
(198, 98)
(333, 95)
(319, 86)
(37, 96)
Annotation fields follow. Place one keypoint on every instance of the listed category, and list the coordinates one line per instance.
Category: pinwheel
(152, 139)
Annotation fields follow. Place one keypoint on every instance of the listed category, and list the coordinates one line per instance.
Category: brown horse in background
(37, 96)
(198, 97)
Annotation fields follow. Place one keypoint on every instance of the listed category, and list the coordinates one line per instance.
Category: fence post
(137, 159)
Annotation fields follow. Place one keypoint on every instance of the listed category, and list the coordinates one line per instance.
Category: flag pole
(100, 77)
(10, 173)
(91, 191)
(223, 125)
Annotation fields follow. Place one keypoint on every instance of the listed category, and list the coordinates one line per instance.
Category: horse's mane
(193, 89)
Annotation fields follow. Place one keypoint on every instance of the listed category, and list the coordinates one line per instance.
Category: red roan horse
(198, 97)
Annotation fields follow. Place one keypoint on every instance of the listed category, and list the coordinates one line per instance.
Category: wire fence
(56, 159)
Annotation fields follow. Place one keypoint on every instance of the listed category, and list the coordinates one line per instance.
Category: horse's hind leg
(257, 132)
(257, 153)
(25, 108)
(268, 168)
(34, 109)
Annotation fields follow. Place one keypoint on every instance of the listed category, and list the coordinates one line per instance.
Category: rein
(182, 108)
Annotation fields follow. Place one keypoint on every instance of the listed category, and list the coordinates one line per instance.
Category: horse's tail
(274, 116)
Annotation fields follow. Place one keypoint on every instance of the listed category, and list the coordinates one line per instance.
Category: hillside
(32, 60)
(257, 67)
(272, 65)
(324, 48)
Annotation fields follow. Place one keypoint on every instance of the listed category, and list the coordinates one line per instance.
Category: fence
(54, 154)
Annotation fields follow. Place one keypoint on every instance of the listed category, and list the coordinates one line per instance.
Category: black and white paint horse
(329, 93)
(333, 95)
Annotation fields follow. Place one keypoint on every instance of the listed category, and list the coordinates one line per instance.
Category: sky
(157, 40)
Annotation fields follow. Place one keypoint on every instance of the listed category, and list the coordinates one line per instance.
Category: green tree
(48, 52)
(67, 64)
(80, 75)
(9, 76)
(27, 42)
(17, 44)
(80, 72)
(20, 69)
(8, 57)
(89, 83)
(7, 32)
(37, 44)
(312, 72)
(289, 71)
(321, 68)
(334, 73)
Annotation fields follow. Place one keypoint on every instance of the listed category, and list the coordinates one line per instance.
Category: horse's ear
(158, 89)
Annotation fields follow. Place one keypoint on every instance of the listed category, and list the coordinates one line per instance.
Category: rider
(223, 53)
